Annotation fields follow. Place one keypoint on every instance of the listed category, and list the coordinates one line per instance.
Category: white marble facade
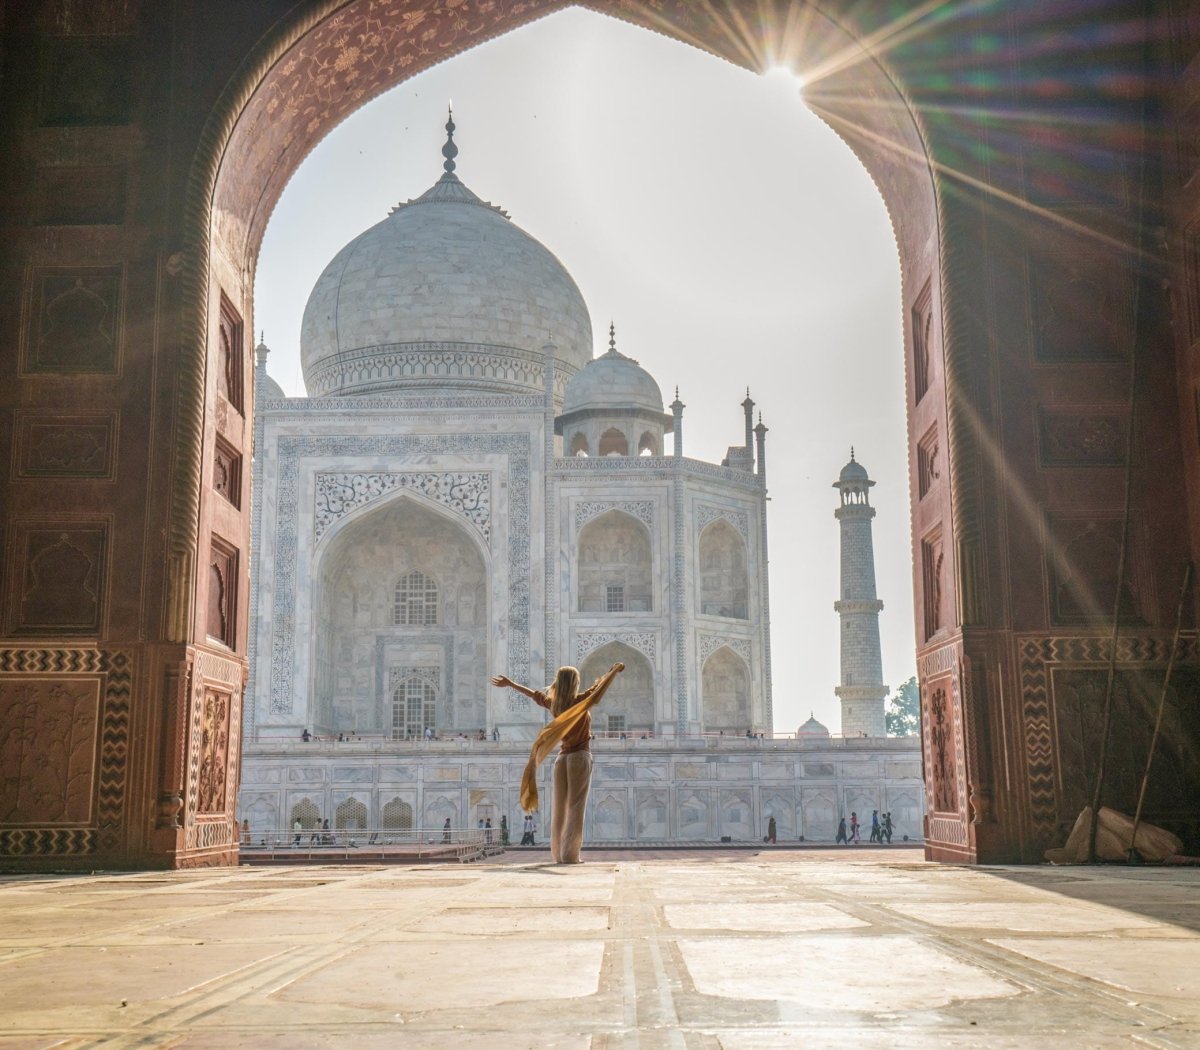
(642, 790)
(463, 498)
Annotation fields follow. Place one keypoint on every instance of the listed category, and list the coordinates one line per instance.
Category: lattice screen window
(351, 814)
(416, 601)
(616, 723)
(414, 706)
(614, 597)
(397, 816)
(307, 813)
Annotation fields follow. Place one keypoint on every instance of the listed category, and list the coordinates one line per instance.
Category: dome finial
(851, 453)
(449, 151)
(612, 337)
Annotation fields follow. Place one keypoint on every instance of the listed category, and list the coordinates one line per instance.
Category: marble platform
(738, 950)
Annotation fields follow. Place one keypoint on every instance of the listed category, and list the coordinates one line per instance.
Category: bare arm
(598, 687)
(502, 681)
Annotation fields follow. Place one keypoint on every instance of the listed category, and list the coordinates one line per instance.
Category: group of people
(881, 829)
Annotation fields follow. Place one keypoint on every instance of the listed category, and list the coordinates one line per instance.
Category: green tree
(903, 712)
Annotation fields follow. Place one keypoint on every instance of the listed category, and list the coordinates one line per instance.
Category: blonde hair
(564, 691)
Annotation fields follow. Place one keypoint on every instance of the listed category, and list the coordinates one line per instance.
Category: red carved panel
(230, 355)
(1082, 554)
(214, 752)
(61, 579)
(922, 334)
(942, 743)
(227, 471)
(74, 321)
(221, 620)
(933, 579)
(81, 196)
(48, 731)
(929, 462)
(51, 446)
(1069, 437)
(1082, 307)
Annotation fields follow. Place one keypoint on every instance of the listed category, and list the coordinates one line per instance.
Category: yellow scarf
(552, 733)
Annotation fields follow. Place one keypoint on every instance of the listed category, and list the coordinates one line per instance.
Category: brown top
(579, 736)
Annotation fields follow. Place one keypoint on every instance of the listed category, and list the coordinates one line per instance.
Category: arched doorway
(389, 632)
(629, 705)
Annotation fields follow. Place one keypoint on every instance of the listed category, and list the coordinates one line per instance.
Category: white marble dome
(446, 292)
(613, 382)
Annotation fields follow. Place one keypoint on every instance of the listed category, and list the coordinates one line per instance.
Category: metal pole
(1162, 704)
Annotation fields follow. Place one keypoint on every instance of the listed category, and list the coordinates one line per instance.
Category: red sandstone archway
(319, 65)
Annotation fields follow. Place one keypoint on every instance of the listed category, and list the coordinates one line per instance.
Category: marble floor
(748, 951)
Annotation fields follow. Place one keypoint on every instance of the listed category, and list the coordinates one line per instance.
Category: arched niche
(397, 815)
(725, 693)
(724, 582)
(307, 812)
(608, 818)
(350, 815)
(629, 705)
(579, 445)
(613, 442)
(614, 565)
(361, 572)
(648, 445)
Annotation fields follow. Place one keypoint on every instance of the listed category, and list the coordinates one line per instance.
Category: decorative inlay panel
(1082, 553)
(1038, 658)
(642, 509)
(1075, 438)
(74, 320)
(1081, 307)
(706, 514)
(644, 642)
(517, 449)
(434, 364)
(81, 446)
(466, 493)
(49, 725)
(63, 578)
(710, 643)
(397, 676)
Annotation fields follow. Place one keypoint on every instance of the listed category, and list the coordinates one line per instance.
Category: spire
(851, 453)
(449, 151)
(612, 337)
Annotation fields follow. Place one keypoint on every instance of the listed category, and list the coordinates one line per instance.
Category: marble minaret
(862, 691)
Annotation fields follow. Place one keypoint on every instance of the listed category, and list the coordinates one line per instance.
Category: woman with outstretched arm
(572, 725)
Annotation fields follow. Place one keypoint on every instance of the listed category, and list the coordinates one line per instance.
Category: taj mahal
(468, 490)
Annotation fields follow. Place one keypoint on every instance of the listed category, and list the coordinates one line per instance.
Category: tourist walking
(297, 827)
(572, 727)
(875, 834)
(841, 831)
(504, 831)
(854, 837)
(887, 827)
(446, 830)
(771, 831)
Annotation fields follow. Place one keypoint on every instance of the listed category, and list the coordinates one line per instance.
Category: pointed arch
(724, 588)
(397, 815)
(614, 565)
(579, 445)
(350, 815)
(613, 442)
(725, 693)
(629, 705)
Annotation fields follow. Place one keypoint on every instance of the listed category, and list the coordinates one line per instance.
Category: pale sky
(732, 237)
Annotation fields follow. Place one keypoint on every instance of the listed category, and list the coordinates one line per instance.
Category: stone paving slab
(743, 950)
